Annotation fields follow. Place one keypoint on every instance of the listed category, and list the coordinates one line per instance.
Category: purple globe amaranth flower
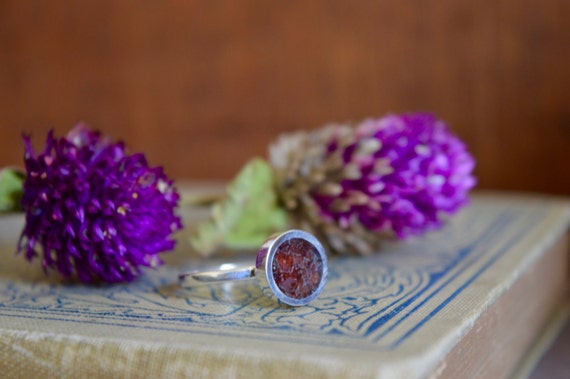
(399, 175)
(96, 212)
(412, 171)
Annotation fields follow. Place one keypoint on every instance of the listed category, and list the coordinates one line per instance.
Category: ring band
(291, 266)
(192, 279)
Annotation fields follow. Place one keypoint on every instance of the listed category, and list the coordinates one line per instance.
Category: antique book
(466, 301)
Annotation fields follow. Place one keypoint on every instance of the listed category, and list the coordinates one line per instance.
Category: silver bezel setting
(267, 281)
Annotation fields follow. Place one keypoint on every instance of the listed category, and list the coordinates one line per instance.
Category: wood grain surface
(200, 87)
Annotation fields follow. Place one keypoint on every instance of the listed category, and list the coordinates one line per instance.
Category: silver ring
(291, 266)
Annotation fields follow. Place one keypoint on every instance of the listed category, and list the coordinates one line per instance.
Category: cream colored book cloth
(394, 314)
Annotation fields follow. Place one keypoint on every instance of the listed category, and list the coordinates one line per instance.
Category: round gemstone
(297, 268)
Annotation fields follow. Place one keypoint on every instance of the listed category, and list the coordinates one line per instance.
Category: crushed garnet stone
(297, 268)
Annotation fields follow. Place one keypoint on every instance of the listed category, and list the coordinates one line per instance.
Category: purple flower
(412, 171)
(95, 212)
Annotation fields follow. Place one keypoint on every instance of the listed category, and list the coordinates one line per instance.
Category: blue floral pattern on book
(367, 299)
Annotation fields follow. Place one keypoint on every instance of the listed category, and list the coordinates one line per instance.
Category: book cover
(466, 300)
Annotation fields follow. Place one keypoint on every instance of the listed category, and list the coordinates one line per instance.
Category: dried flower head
(96, 212)
(398, 175)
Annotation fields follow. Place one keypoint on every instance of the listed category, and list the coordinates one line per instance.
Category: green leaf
(246, 216)
(11, 187)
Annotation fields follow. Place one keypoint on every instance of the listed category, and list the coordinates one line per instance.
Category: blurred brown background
(202, 86)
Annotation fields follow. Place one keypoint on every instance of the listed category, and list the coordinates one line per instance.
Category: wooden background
(202, 86)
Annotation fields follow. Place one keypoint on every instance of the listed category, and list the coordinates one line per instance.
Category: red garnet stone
(297, 268)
